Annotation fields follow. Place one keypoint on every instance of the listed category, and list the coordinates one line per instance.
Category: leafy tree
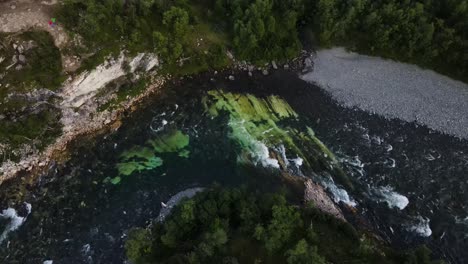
(302, 253)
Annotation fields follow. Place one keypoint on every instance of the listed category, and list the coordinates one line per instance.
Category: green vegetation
(249, 226)
(24, 120)
(140, 158)
(43, 66)
(196, 34)
(262, 30)
(259, 123)
(431, 33)
(173, 29)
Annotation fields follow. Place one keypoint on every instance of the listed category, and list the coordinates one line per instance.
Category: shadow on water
(78, 218)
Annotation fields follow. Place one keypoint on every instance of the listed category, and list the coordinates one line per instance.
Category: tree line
(430, 33)
(249, 226)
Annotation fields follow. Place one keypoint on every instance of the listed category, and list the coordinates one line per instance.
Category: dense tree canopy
(430, 33)
(241, 226)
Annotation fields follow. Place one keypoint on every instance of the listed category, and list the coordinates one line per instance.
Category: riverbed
(409, 181)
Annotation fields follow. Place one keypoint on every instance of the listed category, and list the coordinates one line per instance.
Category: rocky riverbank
(80, 110)
(393, 90)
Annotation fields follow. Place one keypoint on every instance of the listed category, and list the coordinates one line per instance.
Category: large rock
(273, 64)
(22, 58)
(316, 194)
(308, 63)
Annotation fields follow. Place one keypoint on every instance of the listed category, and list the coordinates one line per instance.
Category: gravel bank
(394, 90)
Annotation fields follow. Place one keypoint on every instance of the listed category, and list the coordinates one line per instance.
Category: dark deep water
(76, 218)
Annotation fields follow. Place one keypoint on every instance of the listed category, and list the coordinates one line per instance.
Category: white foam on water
(339, 194)
(389, 148)
(262, 156)
(391, 163)
(354, 161)
(460, 220)
(282, 151)
(258, 150)
(298, 161)
(393, 199)
(15, 221)
(422, 227)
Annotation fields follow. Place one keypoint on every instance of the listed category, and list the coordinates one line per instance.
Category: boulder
(265, 72)
(20, 49)
(22, 58)
(273, 64)
(231, 78)
(308, 63)
(316, 193)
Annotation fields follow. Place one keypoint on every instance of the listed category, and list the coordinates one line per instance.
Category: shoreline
(393, 90)
(91, 122)
(100, 122)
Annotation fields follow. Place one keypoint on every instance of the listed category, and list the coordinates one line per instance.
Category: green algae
(140, 158)
(169, 143)
(184, 153)
(261, 124)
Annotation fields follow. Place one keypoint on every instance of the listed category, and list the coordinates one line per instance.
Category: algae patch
(265, 129)
(140, 158)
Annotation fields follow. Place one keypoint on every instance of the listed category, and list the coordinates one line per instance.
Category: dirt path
(22, 15)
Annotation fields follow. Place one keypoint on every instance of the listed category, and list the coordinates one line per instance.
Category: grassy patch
(25, 118)
(43, 68)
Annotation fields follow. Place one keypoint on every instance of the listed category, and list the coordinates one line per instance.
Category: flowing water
(409, 182)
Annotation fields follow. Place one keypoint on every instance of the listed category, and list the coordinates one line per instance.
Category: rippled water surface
(410, 183)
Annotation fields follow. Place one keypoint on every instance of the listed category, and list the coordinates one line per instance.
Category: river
(409, 181)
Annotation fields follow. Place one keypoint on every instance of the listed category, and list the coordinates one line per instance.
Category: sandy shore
(393, 90)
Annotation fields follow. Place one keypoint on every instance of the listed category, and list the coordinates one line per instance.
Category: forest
(430, 33)
(243, 225)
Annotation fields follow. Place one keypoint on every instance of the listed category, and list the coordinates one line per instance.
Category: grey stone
(22, 58)
(393, 90)
(20, 49)
(231, 78)
(308, 62)
(265, 72)
(273, 64)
